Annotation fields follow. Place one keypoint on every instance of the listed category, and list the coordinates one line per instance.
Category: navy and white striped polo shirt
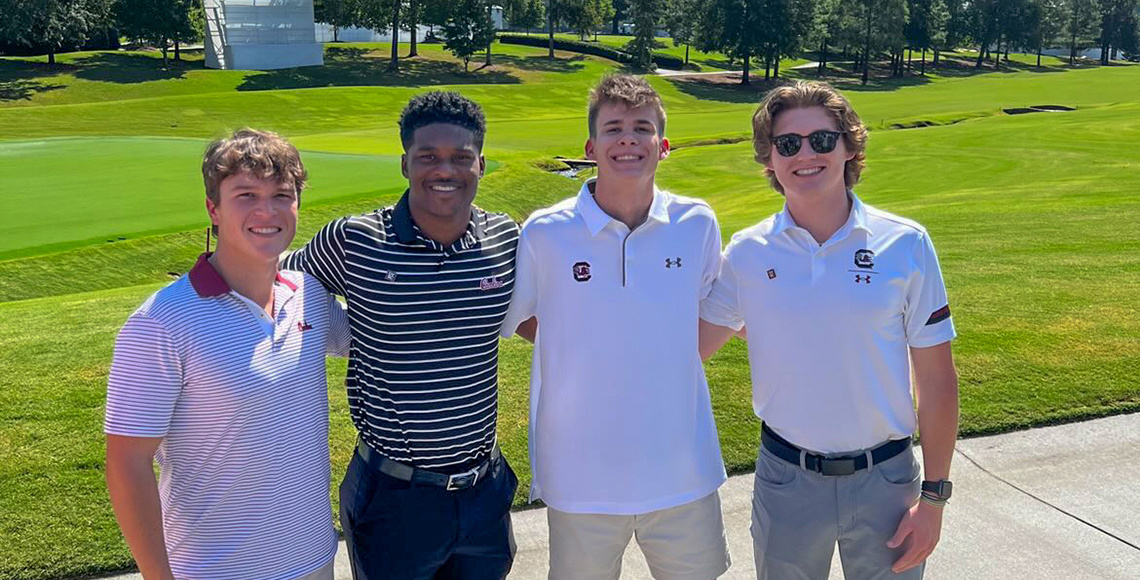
(423, 369)
(243, 416)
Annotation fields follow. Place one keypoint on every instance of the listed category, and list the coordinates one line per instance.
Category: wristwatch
(940, 489)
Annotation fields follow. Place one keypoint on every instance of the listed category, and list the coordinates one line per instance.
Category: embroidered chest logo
(490, 283)
(865, 259)
(771, 273)
(390, 276)
(582, 271)
(864, 279)
(302, 326)
(674, 263)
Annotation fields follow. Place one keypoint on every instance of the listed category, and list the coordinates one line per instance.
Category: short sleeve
(524, 297)
(722, 305)
(145, 380)
(322, 257)
(340, 337)
(927, 310)
(712, 257)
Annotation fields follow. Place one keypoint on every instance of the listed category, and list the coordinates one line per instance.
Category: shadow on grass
(353, 66)
(24, 89)
(540, 63)
(130, 68)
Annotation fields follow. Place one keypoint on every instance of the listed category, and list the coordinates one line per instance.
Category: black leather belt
(847, 465)
(404, 472)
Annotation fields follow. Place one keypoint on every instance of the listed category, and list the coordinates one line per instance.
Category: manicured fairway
(1034, 217)
(62, 193)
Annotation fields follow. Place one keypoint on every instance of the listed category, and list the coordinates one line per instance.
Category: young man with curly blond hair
(842, 302)
(220, 377)
(622, 438)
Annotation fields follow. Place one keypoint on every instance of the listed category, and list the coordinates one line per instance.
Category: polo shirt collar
(407, 231)
(597, 219)
(857, 219)
(208, 282)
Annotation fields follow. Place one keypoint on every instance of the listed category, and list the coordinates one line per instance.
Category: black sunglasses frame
(818, 140)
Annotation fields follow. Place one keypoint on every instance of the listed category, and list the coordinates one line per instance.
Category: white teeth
(444, 187)
(626, 157)
(265, 230)
(811, 171)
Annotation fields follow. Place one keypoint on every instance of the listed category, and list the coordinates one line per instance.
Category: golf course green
(1036, 219)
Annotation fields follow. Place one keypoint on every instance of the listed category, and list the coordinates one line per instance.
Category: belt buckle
(463, 480)
(837, 466)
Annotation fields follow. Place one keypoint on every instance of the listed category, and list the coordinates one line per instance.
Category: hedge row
(661, 60)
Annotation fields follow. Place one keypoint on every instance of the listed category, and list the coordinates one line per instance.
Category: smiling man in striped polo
(428, 281)
(220, 376)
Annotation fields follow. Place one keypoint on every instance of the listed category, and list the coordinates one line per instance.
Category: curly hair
(264, 154)
(624, 89)
(800, 95)
(442, 107)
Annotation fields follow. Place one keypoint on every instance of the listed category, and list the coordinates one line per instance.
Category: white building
(261, 34)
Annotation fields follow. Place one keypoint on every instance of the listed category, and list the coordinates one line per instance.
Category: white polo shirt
(829, 325)
(242, 409)
(620, 417)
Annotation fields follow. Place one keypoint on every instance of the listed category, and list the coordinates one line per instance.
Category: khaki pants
(685, 542)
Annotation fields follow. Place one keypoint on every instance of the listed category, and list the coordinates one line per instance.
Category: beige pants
(685, 542)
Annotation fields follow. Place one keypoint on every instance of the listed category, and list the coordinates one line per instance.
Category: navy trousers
(396, 530)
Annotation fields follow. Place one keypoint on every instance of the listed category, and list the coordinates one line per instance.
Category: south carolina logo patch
(582, 271)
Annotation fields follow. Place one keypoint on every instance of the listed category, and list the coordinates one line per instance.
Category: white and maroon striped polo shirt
(242, 408)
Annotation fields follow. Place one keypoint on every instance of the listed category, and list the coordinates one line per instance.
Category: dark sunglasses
(821, 142)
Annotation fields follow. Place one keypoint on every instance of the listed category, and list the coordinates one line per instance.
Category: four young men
(623, 289)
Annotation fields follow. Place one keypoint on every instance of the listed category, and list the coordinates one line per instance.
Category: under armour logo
(864, 279)
(670, 263)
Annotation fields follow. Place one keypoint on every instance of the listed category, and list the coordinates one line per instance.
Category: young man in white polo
(220, 377)
(841, 302)
(622, 437)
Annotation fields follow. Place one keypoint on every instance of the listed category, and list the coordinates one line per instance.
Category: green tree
(160, 22)
(646, 14)
(467, 30)
(681, 23)
(1117, 27)
(733, 27)
(434, 13)
(54, 24)
(1079, 26)
(525, 14)
(336, 13)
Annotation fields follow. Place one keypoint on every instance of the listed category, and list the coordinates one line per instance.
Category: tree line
(754, 33)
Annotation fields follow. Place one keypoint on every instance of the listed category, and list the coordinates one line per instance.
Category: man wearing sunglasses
(842, 302)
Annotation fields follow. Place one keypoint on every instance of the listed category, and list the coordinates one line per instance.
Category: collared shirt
(829, 325)
(620, 416)
(243, 416)
(423, 370)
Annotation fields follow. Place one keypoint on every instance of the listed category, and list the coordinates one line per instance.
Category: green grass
(132, 186)
(1034, 217)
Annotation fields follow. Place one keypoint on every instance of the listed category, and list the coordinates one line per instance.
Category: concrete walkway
(1052, 503)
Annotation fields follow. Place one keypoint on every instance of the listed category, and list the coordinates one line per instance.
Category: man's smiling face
(627, 142)
(443, 165)
(255, 217)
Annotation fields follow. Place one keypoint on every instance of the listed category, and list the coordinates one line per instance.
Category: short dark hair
(442, 107)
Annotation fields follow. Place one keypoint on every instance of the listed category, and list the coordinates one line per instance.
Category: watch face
(942, 488)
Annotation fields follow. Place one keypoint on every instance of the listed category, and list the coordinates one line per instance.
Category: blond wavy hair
(801, 95)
